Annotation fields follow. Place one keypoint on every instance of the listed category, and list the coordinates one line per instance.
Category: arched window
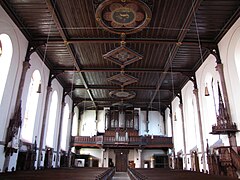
(31, 107)
(6, 52)
(75, 124)
(210, 107)
(65, 127)
(52, 119)
(237, 57)
(191, 121)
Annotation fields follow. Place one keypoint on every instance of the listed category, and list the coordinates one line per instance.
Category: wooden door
(121, 160)
(21, 161)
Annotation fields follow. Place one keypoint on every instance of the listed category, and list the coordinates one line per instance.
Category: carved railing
(224, 161)
(87, 139)
(224, 128)
(158, 141)
(235, 159)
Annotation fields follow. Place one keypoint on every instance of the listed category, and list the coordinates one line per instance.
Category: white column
(152, 162)
(106, 157)
(96, 122)
(90, 162)
(195, 92)
(140, 158)
(184, 138)
(102, 157)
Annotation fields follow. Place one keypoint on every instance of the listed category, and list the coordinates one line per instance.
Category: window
(237, 57)
(75, 124)
(5, 61)
(191, 121)
(52, 119)
(31, 108)
(65, 127)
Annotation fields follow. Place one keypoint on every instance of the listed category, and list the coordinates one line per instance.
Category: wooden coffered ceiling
(74, 44)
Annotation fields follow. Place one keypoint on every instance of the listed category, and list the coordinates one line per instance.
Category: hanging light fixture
(175, 116)
(39, 87)
(206, 90)
(0, 48)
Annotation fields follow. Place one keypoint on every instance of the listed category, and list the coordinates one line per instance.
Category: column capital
(139, 150)
(195, 91)
(26, 65)
(181, 106)
(219, 67)
(49, 88)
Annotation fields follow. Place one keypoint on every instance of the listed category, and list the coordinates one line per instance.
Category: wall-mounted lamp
(39, 88)
(206, 90)
(175, 117)
(0, 48)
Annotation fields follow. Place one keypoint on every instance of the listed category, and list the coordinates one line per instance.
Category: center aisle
(121, 176)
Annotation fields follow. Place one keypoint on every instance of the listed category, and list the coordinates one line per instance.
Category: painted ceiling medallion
(123, 79)
(122, 56)
(121, 94)
(123, 16)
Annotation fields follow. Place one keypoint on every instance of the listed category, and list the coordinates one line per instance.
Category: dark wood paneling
(75, 45)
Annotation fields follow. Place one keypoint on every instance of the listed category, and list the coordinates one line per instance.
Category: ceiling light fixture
(39, 88)
(206, 90)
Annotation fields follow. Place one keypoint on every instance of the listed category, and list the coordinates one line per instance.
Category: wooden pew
(61, 174)
(168, 174)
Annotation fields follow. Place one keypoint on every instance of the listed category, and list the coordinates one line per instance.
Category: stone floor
(121, 176)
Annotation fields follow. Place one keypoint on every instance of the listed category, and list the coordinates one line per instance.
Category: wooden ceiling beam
(139, 101)
(14, 17)
(64, 37)
(117, 40)
(128, 70)
(147, 88)
(174, 50)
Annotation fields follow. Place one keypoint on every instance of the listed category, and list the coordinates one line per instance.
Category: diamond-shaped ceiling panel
(122, 56)
(121, 94)
(123, 79)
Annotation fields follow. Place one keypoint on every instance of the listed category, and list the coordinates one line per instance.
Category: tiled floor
(121, 176)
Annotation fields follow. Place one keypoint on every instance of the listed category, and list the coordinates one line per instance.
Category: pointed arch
(31, 107)
(52, 119)
(5, 61)
(64, 130)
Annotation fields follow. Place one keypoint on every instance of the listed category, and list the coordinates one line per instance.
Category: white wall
(97, 153)
(156, 124)
(101, 121)
(205, 74)
(7, 106)
(228, 48)
(177, 125)
(190, 118)
(147, 154)
(10, 93)
(88, 124)
(168, 123)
